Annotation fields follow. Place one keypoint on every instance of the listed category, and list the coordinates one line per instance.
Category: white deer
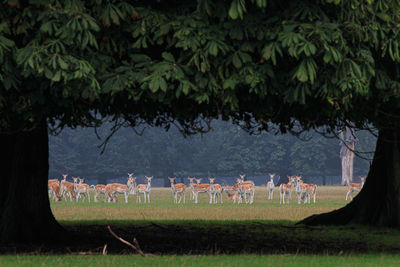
(271, 186)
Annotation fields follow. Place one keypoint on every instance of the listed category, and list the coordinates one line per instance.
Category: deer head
(65, 176)
(75, 179)
(198, 180)
(130, 175)
(271, 175)
(131, 181)
(81, 180)
(172, 179)
(211, 180)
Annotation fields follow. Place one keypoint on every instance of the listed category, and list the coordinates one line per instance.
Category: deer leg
(347, 195)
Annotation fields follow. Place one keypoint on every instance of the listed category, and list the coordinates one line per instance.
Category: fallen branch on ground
(135, 247)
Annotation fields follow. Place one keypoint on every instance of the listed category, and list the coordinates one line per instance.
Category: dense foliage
(226, 151)
(319, 62)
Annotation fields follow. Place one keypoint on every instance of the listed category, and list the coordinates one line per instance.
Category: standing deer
(245, 188)
(216, 190)
(285, 189)
(177, 189)
(67, 188)
(354, 187)
(54, 189)
(126, 189)
(145, 190)
(271, 186)
(201, 188)
(81, 188)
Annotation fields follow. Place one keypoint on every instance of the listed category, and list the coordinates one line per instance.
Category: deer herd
(241, 192)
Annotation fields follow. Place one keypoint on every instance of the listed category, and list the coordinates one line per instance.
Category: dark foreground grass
(220, 260)
(217, 237)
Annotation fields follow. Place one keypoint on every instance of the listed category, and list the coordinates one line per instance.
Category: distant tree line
(226, 151)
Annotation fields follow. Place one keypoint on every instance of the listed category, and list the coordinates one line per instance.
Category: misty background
(224, 153)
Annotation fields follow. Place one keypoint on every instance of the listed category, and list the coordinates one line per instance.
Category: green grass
(263, 227)
(220, 260)
(163, 208)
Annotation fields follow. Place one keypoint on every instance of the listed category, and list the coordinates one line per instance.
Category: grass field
(223, 260)
(202, 234)
(163, 208)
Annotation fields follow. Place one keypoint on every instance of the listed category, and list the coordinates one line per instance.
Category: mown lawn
(219, 260)
(163, 208)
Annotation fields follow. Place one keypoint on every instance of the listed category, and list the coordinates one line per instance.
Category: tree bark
(25, 214)
(378, 203)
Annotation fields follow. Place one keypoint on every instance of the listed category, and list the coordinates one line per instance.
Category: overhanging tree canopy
(296, 64)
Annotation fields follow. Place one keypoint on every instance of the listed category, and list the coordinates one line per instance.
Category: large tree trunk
(25, 214)
(378, 203)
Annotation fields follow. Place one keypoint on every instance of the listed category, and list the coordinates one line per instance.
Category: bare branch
(135, 248)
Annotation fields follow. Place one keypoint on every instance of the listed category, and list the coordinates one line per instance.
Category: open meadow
(163, 208)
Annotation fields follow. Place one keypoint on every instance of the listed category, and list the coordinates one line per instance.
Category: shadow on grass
(215, 237)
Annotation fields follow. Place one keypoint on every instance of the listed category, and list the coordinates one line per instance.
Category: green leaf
(163, 85)
(233, 12)
(62, 63)
(56, 77)
(236, 61)
(168, 57)
(185, 88)
(213, 49)
(154, 85)
(301, 72)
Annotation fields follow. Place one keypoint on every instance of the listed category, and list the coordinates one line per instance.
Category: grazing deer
(201, 188)
(216, 190)
(145, 190)
(271, 186)
(245, 188)
(354, 187)
(177, 189)
(285, 189)
(81, 188)
(54, 189)
(231, 191)
(99, 189)
(126, 189)
(67, 188)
